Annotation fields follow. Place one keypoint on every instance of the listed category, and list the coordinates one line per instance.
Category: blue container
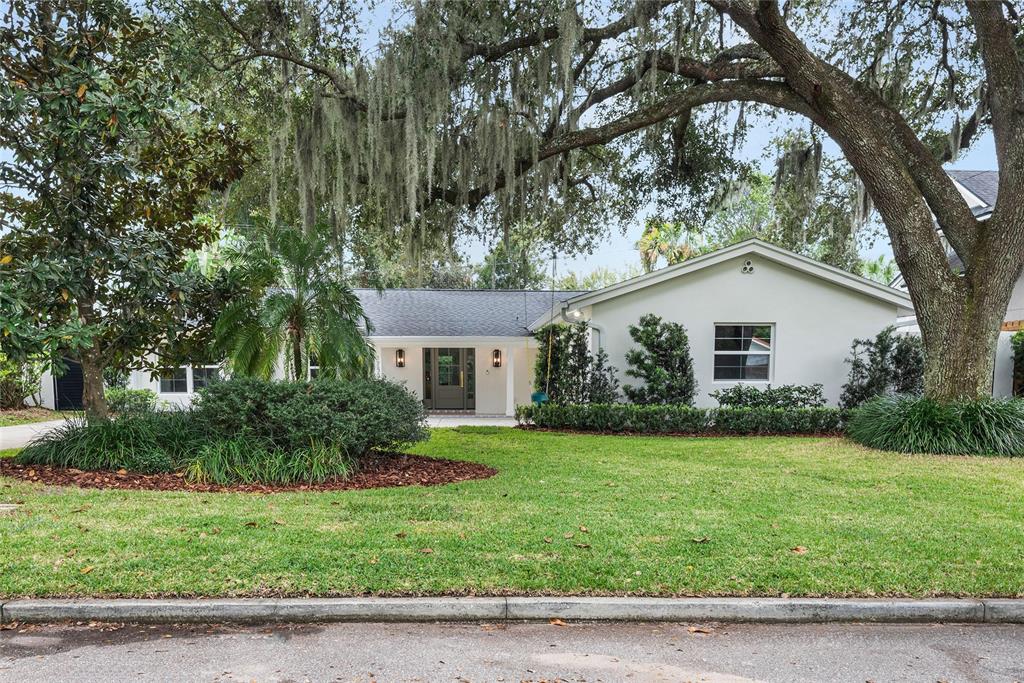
(539, 397)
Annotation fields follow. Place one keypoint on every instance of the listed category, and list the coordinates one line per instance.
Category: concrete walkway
(19, 435)
(455, 420)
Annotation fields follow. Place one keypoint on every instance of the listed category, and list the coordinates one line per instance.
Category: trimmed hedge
(682, 419)
(357, 415)
(131, 401)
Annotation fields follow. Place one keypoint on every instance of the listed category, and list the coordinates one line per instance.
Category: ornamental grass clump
(921, 425)
(245, 461)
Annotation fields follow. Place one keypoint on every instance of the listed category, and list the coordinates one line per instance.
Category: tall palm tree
(298, 306)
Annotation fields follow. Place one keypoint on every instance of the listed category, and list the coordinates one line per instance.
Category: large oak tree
(535, 106)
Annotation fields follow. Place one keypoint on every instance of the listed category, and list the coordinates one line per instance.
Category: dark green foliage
(577, 376)
(682, 419)
(148, 443)
(243, 460)
(785, 396)
(131, 401)
(886, 365)
(245, 430)
(355, 416)
(662, 363)
(921, 425)
(1017, 344)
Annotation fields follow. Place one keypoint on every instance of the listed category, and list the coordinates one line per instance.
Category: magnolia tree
(517, 110)
(100, 195)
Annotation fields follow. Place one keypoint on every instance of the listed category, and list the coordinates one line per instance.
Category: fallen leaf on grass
(584, 529)
(401, 534)
(568, 535)
(251, 525)
(86, 570)
(426, 551)
(557, 622)
(701, 539)
(547, 539)
(279, 522)
(582, 545)
(799, 550)
(81, 509)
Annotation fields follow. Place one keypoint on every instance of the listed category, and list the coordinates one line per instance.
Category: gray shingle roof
(455, 312)
(982, 184)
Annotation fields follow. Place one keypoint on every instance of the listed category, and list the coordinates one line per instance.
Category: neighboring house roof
(982, 184)
(754, 246)
(980, 190)
(455, 312)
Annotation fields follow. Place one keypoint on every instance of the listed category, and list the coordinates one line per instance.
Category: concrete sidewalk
(451, 609)
(18, 435)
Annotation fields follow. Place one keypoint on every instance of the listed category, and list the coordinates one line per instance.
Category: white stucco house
(755, 314)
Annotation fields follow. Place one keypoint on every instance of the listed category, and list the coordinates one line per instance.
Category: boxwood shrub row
(681, 419)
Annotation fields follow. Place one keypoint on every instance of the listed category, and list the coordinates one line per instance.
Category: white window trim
(188, 383)
(771, 354)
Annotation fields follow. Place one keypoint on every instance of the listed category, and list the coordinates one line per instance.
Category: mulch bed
(379, 470)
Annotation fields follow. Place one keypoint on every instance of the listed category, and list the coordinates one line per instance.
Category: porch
(460, 377)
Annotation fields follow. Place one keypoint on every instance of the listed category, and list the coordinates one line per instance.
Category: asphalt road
(514, 653)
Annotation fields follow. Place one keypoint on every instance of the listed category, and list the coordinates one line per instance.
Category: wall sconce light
(399, 358)
(496, 358)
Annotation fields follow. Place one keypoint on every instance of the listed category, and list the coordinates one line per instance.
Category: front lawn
(9, 418)
(565, 514)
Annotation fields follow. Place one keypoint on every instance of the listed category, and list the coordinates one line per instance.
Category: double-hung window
(204, 375)
(174, 381)
(743, 352)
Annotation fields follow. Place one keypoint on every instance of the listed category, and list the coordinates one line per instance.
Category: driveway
(464, 653)
(441, 420)
(19, 435)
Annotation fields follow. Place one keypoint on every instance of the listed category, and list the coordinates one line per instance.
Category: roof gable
(827, 273)
(982, 184)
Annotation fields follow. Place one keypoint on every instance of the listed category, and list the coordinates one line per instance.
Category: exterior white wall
(46, 397)
(1002, 376)
(411, 375)
(814, 321)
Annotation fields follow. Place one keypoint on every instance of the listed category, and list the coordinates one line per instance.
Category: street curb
(304, 610)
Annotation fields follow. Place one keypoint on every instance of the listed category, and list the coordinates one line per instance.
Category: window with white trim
(174, 381)
(743, 352)
(204, 375)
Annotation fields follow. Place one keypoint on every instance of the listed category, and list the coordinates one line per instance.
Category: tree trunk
(297, 354)
(94, 402)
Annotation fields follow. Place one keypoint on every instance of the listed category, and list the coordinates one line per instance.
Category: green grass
(10, 418)
(664, 516)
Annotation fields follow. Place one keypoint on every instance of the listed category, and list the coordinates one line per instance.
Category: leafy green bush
(1017, 345)
(662, 363)
(785, 396)
(355, 416)
(568, 372)
(147, 443)
(890, 364)
(243, 460)
(131, 401)
(681, 419)
(19, 380)
(910, 424)
(245, 430)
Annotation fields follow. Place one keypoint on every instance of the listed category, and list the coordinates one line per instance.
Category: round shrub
(355, 416)
(910, 424)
